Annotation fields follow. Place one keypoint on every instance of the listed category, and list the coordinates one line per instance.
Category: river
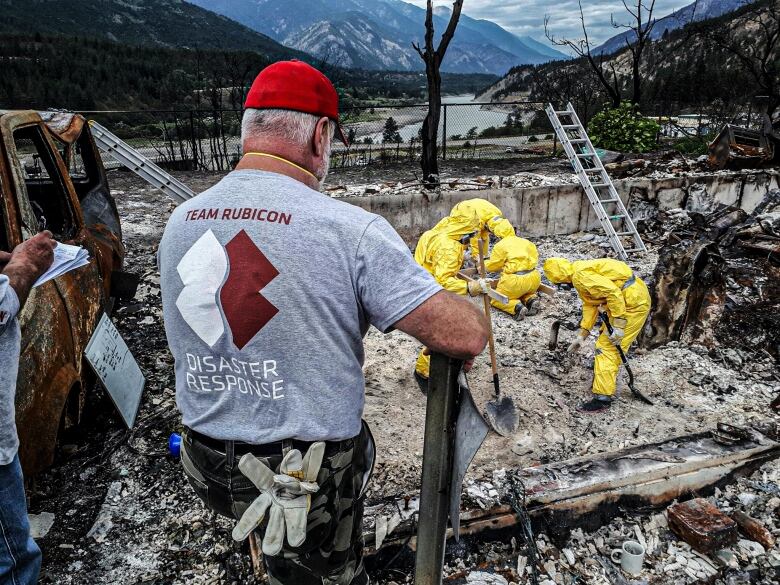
(460, 118)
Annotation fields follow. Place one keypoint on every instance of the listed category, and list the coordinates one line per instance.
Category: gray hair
(295, 127)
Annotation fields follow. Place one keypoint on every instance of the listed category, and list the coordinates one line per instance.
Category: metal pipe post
(444, 134)
(440, 416)
(194, 139)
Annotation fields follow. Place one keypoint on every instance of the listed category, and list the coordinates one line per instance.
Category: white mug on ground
(631, 557)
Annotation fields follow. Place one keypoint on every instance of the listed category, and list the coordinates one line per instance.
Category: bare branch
(457, 5)
(633, 14)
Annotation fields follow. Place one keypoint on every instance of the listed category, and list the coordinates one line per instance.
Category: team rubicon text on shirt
(242, 213)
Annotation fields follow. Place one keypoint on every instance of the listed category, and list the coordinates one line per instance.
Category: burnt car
(52, 177)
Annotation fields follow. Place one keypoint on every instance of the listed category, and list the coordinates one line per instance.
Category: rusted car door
(88, 178)
(60, 315)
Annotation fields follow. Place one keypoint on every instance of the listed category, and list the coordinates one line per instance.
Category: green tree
(390, 132)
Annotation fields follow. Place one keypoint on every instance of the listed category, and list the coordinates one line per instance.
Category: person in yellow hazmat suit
(491, 221)
(607, 285)
(440, 251)
(516, 258)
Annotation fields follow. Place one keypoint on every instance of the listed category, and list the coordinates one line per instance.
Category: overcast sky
(526, 17)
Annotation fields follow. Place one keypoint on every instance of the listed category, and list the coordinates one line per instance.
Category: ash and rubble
(653, 166)
(583, 556)
(124, 512)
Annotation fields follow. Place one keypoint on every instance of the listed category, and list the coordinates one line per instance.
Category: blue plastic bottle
(174, 444)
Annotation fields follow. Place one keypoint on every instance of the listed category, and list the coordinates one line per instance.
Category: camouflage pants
(332, 553)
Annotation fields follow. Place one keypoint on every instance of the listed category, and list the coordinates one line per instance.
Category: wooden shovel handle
(485, 299)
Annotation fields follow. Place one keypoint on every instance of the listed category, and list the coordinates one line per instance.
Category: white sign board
(117, 369)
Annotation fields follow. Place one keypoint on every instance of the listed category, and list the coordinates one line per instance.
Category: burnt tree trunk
(430, 128)
(432, 57)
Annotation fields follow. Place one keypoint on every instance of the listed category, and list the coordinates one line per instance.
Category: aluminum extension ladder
(602, 194)
(139, 164)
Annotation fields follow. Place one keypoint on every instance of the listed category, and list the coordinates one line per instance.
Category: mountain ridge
(378, 34)
(164, 23)
(688, 70)
(694, 12)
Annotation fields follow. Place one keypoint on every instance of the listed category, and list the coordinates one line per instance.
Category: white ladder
(139, 164)
(601, 194)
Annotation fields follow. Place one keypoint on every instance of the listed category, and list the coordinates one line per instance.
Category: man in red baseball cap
(268, 287)
(292, 100)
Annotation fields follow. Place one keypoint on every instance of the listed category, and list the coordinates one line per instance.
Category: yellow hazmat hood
(459, 224)
(484, 210)
(558, 270)
(501, 228)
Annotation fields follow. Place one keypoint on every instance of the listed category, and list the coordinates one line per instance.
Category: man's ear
(320, 130)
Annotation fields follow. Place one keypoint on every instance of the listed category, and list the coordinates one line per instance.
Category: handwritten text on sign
(117, 369)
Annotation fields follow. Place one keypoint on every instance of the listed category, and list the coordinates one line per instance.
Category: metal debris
(702, 525)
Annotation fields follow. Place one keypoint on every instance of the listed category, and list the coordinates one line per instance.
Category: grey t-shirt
(10, 339)
(268, 288)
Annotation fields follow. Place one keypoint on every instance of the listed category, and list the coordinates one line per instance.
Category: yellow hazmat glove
(577, 344)
(618, 330)
(479, 286)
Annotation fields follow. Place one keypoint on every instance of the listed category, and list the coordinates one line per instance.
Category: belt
(629, 282)
(524, 272)
(267, 449)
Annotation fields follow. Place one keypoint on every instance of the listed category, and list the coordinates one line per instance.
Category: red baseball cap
(295, 85)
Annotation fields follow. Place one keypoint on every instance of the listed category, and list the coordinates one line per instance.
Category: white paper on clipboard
(117, 369)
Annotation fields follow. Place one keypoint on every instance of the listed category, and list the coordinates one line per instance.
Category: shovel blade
(470, 430)
(503, 416)
(641, 396)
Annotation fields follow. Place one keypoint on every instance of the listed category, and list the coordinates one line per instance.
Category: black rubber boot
(594, 405)
(520, 312)
(421, 382)
(534, 304)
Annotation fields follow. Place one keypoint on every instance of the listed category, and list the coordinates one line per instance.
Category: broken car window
(43, 183)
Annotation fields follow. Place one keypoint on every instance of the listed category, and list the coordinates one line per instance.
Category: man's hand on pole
(467, 364)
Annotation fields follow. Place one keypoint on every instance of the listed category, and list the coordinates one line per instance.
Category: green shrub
(493, 132)
(533, 138)
(692, 145)
(623, 129)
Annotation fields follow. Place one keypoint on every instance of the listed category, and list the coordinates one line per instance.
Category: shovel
(501, 411)
(623, 359)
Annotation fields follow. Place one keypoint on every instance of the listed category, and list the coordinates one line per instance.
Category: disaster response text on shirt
(212, 373)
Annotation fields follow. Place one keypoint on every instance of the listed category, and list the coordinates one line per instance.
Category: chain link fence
(210, 139)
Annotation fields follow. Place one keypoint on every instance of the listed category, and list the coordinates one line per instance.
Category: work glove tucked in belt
(287, 494)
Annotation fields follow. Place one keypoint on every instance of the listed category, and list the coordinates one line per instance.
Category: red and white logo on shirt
(225, 281)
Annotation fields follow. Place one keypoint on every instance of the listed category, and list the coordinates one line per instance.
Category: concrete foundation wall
(564, 209)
